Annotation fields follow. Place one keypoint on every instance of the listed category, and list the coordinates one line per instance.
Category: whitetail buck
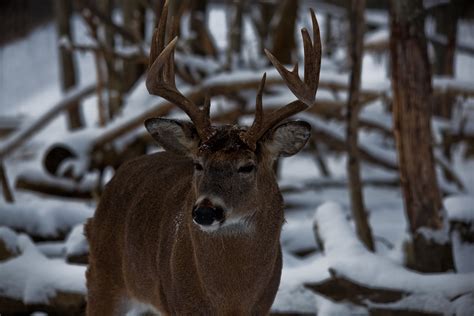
(195, 230)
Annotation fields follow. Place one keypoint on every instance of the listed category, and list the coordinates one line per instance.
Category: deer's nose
(206, 213)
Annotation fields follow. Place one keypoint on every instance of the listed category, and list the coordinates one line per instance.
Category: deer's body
(152, 252)
(195, 230)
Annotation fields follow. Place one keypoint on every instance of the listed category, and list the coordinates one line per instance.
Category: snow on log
(31, 282)
(8, 243)
(76, 246)
(371, 280)
(44, 219)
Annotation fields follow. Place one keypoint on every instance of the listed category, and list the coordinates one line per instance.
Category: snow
(460, 208)
(349, 258)
(38, 284)
(76, 243)
(32, 62)
(44, 218)
(463, 253)
(9, 239)
(380, 35)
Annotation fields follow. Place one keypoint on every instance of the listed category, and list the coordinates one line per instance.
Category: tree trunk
(235, 29)
(356, 42)
(202, 43)
(328, 36)
(63, 11)
(114, 80)
(412, 99)
(134, 20)
(284, 31)
(446, 18)
(261, 21)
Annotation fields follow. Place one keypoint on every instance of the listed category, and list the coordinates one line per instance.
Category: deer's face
(228, 176)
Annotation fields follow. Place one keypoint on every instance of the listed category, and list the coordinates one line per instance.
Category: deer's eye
(246, 169)
(198, 166)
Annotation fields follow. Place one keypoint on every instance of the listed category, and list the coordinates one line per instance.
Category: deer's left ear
(176, 136)
(287, 139)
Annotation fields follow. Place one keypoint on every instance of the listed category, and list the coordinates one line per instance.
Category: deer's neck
(230, 262)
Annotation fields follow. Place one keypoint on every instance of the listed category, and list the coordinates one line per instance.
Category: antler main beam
(304, 90)
(160, 79)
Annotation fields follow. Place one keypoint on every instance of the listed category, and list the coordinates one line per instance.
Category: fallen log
(46, 184)
(62, 303)
(340, 288)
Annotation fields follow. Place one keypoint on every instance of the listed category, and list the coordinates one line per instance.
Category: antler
(160, 79)
(305, 90)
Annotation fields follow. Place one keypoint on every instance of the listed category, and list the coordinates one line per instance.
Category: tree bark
(284, 41)
(412, 99)
(261, 21)
(202, 43)
(328, 36)
(134, 19)
(114, 80)
(63, 11)
(446, 18)
(235, 30)
(356, 42)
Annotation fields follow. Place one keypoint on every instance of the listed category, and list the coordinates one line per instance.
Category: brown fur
(144, 245)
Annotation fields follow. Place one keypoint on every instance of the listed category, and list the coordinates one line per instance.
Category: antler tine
(160, 79)
(305, 90)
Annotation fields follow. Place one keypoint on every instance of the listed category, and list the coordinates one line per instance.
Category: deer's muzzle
(206, 213)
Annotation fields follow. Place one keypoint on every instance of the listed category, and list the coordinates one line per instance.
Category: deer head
(231, 162)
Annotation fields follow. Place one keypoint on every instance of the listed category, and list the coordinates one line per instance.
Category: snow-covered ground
(29, 86)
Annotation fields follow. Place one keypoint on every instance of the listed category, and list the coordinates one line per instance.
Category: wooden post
(63, 11)
(412, 96)
(356, 43)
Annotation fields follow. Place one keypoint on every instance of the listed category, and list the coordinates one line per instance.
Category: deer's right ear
(176, 136)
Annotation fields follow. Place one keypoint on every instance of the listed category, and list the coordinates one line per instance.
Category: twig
(7, 192)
